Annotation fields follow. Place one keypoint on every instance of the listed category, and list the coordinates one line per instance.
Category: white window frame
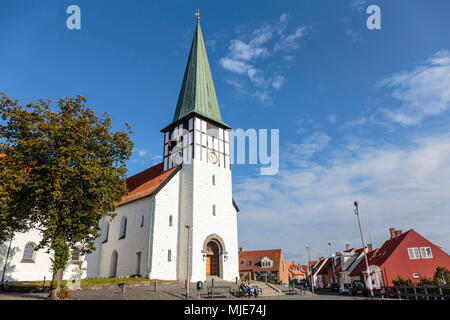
(422, 249)
(415, 255)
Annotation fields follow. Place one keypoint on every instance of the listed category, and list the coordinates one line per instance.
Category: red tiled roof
(147, 182)
(325, 265)
(295, 268)
(362, 263)
(256, 257)
(379, 256)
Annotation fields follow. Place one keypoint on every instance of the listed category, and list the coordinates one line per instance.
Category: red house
(408, 255)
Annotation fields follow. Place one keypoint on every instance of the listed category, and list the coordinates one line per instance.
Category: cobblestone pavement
(169, 291)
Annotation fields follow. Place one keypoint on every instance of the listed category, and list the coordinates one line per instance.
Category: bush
(64, 292)
(400, 282)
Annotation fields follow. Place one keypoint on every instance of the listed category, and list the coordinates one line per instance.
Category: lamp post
(332, 262)
(369, 279)
(7, 256)
(187, 262)
(309, 269)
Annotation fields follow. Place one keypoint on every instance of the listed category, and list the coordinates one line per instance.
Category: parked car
(345, 288)
(358, 287)
(332, 287)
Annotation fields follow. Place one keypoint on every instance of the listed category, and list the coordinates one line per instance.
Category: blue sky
(363, 114)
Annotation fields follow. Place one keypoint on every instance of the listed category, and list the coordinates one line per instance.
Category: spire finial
(198, 14)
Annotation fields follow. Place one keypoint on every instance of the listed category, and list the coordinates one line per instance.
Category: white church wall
(224, 223)
(19, 269)
(165, 236)
(136, 240)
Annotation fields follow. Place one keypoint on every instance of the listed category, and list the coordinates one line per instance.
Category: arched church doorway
(213, 259)
(113, 267)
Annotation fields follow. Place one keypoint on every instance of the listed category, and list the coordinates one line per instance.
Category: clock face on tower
(177, 158)
(212, 157)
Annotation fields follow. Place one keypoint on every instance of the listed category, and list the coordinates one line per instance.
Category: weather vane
(198, 14)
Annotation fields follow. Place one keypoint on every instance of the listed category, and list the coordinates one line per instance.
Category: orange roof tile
(147, 182)
(275, 255)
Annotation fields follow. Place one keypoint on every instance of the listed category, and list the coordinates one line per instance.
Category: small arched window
(76, 254)
(214, 209)
(169, 255)
(29, 254)
(214, 179)
(142, 221)
(123, 228)
(170, 221)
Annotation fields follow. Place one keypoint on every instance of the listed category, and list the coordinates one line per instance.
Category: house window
(169, 255)
(426, 253)
(170, 221)
(142, 221)
(214, 210)
(416, 275)
(413, 253)
(123, 228)
(213, 179)
(76, 254)
(29, 254)
(242, 262)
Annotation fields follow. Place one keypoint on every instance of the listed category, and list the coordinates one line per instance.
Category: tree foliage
(399, 281)
(64, 169)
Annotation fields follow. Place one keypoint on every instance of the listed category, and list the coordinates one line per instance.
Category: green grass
(100, 281)
(86, 282)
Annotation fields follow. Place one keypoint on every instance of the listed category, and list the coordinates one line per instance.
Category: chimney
(398, 232)
(347, 246)
(369, 247)
(240, 250)
(392, 231)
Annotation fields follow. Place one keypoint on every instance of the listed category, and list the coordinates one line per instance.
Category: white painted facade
(22, 267)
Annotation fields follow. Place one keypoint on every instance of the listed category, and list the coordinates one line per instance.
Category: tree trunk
(56, 284)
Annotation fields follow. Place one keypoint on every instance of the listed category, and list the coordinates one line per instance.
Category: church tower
(199, 141)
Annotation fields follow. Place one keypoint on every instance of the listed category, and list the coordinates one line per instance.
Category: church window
(76, 254)
(214, 210)
(123, 228)
(29, 254)
(169, 255)
(170, 220)
(214, 179)
(106, 233)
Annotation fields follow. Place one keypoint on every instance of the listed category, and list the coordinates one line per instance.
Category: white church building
(179, 216)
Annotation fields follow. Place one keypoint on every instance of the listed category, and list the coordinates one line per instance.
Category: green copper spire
(197, 94)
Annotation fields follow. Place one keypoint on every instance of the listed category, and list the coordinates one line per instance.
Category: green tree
(442, 275)
(424, 281)
(64, 169)
(399, 281)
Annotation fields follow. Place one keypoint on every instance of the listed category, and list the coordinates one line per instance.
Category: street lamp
(369, 279)
(187, 262)
(332, 262)
(309, 269)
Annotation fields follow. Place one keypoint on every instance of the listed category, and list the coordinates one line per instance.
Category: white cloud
(250, 49)
(422, 92)
(311, 203)
(290, 41)
(278, 81)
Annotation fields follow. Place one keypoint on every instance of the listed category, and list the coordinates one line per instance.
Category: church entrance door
(213, 259)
